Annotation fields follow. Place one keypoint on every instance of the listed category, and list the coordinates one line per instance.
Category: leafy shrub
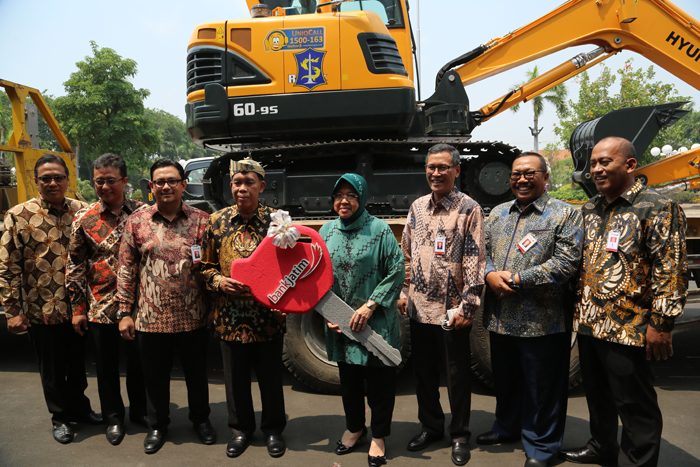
(565, 193)
(86, 191)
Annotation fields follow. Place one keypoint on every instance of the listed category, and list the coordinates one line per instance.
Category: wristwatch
(122, 314)
(371, 305)
(513, 285)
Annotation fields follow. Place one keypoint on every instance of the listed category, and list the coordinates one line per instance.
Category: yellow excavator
(314, 90)
(317, 89)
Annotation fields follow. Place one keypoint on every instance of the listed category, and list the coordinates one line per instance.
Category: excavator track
(393, 168)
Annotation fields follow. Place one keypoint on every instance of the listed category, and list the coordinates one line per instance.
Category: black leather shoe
(237, 446)
(460, 453)
(532, 462)
(422, 441)
(139, 420)
(490, 437)
(585, 456)
(341, 449)
(91, 418)
(206, 432)
(155, 439)
(115, 434)
(62, 433)
(376, 461)
(276, 446)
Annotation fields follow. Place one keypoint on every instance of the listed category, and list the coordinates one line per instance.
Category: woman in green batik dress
(368, 272)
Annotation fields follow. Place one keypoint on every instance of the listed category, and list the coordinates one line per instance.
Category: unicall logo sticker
(279, 40)
(310, 69)
(276, 41)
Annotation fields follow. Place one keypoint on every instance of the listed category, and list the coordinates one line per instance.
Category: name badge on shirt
(440, 242)
(613, 241)
(527, 242)
(196, 253)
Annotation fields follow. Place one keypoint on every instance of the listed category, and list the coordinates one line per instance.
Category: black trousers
(431, 348)
(156, 351)
(60, 353)
(107, 339)
(266, 359)
(381, 395)
(531, 379)
(618, 380)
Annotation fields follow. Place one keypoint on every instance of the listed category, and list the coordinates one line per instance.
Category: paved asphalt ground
(315, 421)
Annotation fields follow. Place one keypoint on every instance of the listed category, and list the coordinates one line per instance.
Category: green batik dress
(367, 265)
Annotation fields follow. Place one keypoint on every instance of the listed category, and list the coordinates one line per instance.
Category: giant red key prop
(297, 280)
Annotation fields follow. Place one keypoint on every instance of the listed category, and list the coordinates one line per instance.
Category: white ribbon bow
(285, 235)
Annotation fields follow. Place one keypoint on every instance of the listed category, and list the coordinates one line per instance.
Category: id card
(613, 241)
(527, 242)
(440, 245)
(196, 253)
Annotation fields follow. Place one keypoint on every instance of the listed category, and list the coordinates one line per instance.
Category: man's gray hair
(442, 147)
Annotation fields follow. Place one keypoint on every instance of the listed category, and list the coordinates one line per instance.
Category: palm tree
(555, 96)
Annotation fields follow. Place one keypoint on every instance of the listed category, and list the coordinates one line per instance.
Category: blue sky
(42, 40)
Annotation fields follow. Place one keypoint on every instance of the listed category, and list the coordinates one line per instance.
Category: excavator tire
(305, 356)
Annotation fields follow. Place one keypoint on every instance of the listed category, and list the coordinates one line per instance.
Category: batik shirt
(434, 282)
(367, 265)
(544, 303)
(33, 255)
(228, 237)
(157, 280)
(641, 283)
(91, 273)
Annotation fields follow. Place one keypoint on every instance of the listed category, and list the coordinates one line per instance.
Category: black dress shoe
(206, 432)
(585, 455)
(460, 453)
(341, 449)
(115, 434)
(276, 446)
(139, 420)
(91, 418)
(490, 437)
(155, 439)
(376, 461)
(237, 446)
(532, 462)
(422, 441)
(62, 433)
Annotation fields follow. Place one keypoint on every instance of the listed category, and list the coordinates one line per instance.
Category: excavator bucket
(639, 125)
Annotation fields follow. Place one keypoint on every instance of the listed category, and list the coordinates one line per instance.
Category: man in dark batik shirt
(251, 335)
(533, 252)
(632, 289)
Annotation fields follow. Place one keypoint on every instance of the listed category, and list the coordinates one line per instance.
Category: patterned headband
(247, 165)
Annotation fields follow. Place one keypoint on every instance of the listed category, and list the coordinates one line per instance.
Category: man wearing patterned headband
(251, 335)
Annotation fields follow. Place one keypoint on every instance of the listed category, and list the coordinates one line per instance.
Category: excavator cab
(306, 71)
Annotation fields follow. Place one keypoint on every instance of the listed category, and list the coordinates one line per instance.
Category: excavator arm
(656, 29)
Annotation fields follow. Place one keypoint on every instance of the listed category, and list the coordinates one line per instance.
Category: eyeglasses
(109, 181)
(440, 168)
(47, 179)
(349, 196)
(529, 175)
(172, 183)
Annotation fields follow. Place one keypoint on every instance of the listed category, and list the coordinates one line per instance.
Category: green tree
(555, 96)
(5, 118)
(685, 132)
(103, 112)
(560, 169)
(175, 143)
(637, 88)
